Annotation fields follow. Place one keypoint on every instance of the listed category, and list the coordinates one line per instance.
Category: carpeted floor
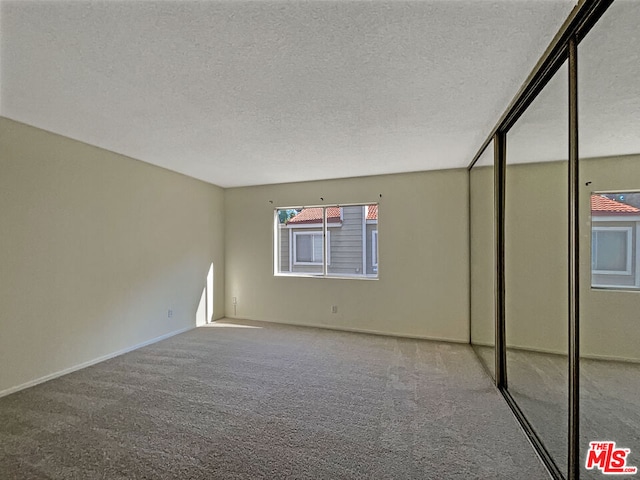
(609, 401)
(256, 400)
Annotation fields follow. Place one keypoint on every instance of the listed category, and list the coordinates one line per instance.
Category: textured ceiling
(608, 93)
(609, 83)
(244, 93)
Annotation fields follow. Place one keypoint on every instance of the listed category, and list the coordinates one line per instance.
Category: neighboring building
(628, 198)
(615, 238)
(352, 233)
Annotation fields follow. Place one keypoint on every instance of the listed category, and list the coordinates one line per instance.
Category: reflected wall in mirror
(481, 211)
(536, 271)
(609, 108)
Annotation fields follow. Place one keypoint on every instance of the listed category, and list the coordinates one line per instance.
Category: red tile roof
(314, 215)
(601, 205)
(372, 212)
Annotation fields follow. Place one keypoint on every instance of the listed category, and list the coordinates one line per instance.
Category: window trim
(629, 254)
(322, 228)
(317, 233)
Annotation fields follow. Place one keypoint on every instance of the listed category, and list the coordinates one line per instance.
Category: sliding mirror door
(481, 213)
(609, 114)
(536, 272)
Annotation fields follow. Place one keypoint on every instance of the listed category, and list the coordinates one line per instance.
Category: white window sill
(622, 288)
(320, 275)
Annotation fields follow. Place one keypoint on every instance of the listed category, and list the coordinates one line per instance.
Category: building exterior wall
(345, 243)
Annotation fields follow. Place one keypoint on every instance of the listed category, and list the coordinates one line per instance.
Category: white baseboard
(484, 344)
(80, 366)
(354, 330)
(587, 356)
(610, 358)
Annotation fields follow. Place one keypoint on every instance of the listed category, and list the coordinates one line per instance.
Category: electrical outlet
(334, 309)
(169, 313)
(235, 300)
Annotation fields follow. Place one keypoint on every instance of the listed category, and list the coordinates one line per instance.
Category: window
(611, 250)
(614, 233)
(327, 241)
(308, 248)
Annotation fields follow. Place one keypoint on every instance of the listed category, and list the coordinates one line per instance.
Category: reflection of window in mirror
(609, 147)
(615, 224)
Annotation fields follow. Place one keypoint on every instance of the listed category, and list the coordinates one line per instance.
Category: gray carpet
(538, 382)
(269, 402)
(609, 401)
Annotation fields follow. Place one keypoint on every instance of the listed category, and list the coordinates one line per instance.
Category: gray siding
(346, 243)
(284, 249)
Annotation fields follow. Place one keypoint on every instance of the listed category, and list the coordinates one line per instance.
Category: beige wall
(423, 287)
(95, 248)
(536, 269)
(536, 256)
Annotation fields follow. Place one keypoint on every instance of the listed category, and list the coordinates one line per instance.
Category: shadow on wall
(204, 313)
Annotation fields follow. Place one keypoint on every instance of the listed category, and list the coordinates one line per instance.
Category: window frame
(313, 233)
(618, 280)
(326, 237)
(629, 251)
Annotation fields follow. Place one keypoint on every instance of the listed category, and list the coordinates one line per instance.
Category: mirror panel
(481, 211)
(609, 119)
(536, 270)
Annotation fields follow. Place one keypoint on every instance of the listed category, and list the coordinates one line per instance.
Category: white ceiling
(608, 94)
(245, 93)
(609, 83)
